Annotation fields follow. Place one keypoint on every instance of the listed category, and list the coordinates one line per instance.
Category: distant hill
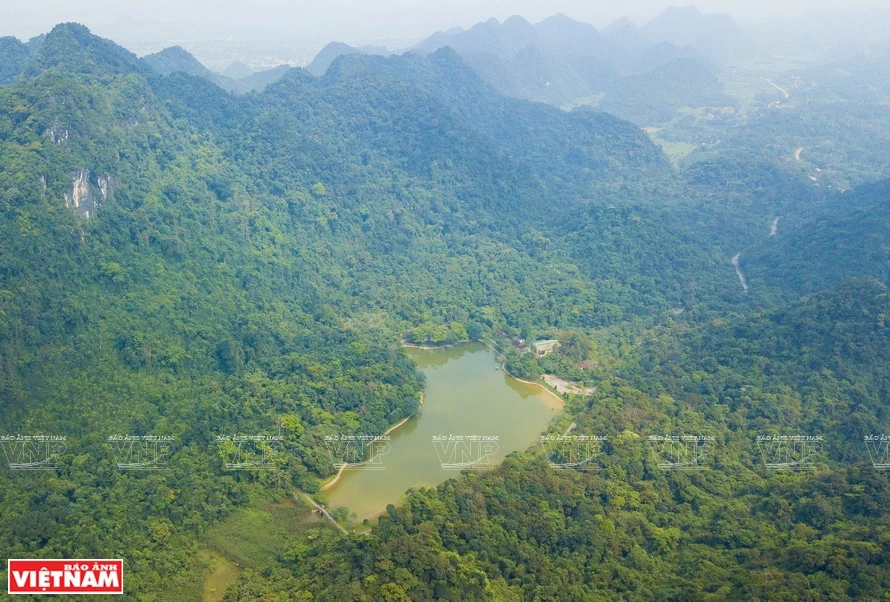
(654, 97)
(562, 36)
(489, 37)
(329, 53)
(715, 36)
(237, 70)
(260, 79)
(625, 36)
(177, 60)
(556, 61)
(565, 63)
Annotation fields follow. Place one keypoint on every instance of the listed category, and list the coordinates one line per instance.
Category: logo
(33, 452)
(574, 452)
(466, 452)
(790, 452)
(65, 577)
(358, 452)
(879, 450)
(682, 452)
(142, 452)
(250, 452)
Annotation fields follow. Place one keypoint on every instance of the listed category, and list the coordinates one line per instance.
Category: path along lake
(467, 394)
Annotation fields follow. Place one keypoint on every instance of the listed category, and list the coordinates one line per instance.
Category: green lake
(467, 395)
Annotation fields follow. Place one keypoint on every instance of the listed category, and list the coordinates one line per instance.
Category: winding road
(326, 514)
(777, 87)
(735, 262)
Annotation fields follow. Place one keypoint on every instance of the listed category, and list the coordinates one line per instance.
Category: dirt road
(735, 262)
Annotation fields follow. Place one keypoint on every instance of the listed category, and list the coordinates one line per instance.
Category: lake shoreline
(468, 390)
(557, 402)
(339, 474)
(500, 358)
(503, 361)
(436, 347)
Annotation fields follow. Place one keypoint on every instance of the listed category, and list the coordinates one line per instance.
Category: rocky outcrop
(56, 133)
(104, 184)
(85, 197)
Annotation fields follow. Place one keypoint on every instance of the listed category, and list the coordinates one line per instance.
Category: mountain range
(564, 62)
(183, 261)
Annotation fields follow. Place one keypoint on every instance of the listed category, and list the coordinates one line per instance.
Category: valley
(295, 334)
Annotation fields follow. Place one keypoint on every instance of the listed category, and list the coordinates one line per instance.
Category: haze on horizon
(275, 31)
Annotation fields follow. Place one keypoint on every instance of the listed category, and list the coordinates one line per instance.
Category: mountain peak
(621, 24)
(328, 55)
(175, 59)
(72, 48)
(713, 34)
(688, 11)
(69, 28)
(238, 70)
(562, 20)
(516, 20)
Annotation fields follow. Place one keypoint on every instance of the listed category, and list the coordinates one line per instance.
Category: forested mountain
(819, 253)
(13, 58)
(176, 60)
(560, 61)
(164, 310)
(190, 262)
(177, 260)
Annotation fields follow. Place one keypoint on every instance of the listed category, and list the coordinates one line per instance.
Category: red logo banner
(65, 576)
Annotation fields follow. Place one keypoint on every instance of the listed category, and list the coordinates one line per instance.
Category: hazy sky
(150, 24)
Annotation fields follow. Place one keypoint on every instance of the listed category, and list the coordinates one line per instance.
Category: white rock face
(80, 190)
(104, 185)
(82, 197)
(56, 134)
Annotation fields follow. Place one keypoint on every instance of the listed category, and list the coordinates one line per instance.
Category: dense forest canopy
(179, 260)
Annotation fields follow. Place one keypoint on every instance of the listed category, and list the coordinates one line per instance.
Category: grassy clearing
(587, 101)
(252, 537)
(255, 536)
(675, 151)
(219, 575)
